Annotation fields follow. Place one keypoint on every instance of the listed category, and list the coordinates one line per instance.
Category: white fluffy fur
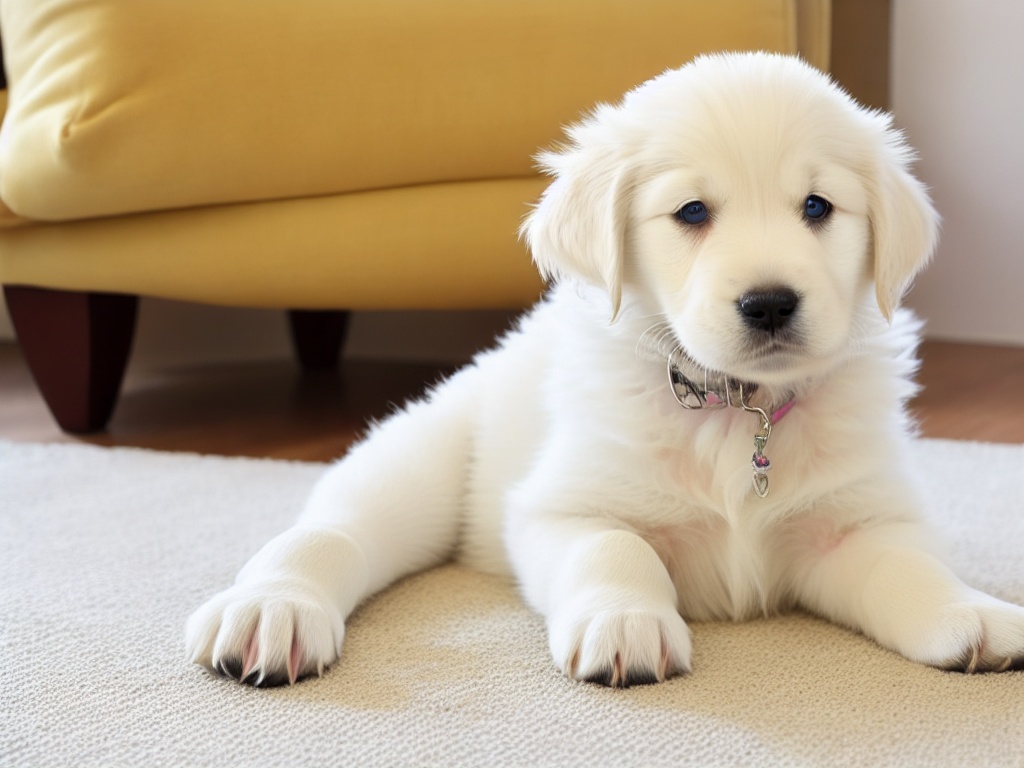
(562, 458)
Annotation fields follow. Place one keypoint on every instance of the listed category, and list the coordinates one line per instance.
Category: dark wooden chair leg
(318, 336)
(76, 344)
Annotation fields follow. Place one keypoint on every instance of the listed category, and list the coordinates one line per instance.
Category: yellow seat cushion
(452, 247)
(126, 107)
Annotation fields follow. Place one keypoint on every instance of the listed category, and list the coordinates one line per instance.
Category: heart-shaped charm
(761, 485)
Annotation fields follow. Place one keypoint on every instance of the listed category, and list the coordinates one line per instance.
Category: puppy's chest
(705, 459)
(720, 571)
(717, 538)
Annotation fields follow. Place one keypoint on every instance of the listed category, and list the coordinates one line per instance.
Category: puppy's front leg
(390, 508)
(609, 602)
(881, 581)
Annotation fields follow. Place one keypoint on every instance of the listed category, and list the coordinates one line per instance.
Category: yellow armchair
(318, 156)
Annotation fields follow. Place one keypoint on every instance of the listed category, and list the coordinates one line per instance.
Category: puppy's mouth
(774, 356)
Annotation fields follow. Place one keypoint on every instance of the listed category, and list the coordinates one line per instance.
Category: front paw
(982, 634)
(266, 634)
(621, 646)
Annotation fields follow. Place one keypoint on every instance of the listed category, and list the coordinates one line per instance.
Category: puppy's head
(748, 201)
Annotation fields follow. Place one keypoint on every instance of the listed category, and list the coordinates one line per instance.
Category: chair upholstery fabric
(317, 153)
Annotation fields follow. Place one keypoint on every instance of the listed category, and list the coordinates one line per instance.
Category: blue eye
(817, 208)
(694, 212)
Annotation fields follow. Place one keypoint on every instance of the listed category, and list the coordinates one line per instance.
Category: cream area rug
(105, 552)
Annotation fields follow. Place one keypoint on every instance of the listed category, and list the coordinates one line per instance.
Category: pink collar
(778, 415)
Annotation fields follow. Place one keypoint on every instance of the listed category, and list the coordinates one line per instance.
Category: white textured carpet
(103, 554)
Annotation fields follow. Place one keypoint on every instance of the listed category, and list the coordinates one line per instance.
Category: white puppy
(729, 243)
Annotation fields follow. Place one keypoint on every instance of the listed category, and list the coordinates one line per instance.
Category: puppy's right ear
(578, 228)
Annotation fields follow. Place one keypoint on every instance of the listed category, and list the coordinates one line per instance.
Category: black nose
(769, 309)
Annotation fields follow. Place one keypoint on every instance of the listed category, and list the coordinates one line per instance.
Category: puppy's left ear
(579, 226)
(904, 224)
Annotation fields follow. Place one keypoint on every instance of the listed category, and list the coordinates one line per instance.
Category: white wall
(958, 91)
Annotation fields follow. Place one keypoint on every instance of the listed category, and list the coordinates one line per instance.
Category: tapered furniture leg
(76, 344)
(318, 336)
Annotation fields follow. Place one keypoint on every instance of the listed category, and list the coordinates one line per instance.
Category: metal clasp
(759, 462)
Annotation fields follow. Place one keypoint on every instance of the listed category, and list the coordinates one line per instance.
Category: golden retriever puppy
(704, 419)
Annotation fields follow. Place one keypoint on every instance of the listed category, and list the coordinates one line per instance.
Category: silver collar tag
(718, 390)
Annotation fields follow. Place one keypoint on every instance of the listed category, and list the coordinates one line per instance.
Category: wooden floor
(271, 410)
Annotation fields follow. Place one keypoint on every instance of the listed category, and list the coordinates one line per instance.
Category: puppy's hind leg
(391, 507)
(881, 581)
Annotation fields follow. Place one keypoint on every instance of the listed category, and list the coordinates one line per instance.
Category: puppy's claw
(573, 665)
(266, 635)
(972, 664)
(617, 676)
(252, 651)
(666, 659)
(623, 661)
(295, 660)
(229, 668)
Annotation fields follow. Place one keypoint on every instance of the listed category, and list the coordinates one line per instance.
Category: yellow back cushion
(119, 107)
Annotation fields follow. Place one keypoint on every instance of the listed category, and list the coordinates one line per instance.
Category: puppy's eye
(817, 208)
(694, 212)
